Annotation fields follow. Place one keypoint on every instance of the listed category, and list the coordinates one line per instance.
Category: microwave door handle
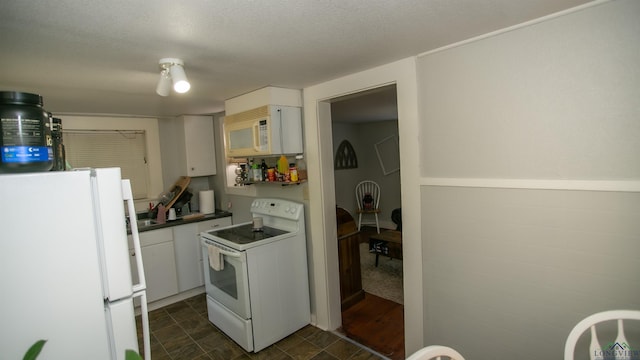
(256, 137)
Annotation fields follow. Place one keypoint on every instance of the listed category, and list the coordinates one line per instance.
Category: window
(125, 149)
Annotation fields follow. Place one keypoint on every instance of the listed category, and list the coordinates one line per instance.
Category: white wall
(552, 106)
(556, 100)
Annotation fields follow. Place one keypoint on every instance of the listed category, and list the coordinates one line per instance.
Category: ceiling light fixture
(172, 71)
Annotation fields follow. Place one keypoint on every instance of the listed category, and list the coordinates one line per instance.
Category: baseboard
(173, 299)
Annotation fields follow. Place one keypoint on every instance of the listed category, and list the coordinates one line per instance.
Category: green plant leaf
(132, 355)
(34, 350)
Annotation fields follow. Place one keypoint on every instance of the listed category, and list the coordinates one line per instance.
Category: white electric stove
(258, 290)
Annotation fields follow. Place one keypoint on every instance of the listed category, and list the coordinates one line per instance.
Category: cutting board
(177, 189)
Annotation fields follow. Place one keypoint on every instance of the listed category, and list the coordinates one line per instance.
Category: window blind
(125, 149)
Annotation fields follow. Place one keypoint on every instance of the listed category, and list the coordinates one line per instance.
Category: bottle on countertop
(265, 170)
(302, 167)
(283, 168)
(293, 172)
(256, 172)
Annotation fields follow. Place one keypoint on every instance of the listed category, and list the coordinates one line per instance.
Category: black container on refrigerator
(59, 155)
(25, 144)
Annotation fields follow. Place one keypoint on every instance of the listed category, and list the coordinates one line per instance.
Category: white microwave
(267, 130)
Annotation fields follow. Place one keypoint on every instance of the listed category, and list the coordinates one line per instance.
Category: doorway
(366, 121)
(323, 254)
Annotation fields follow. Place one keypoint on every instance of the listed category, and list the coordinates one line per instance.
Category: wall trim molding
(516, 27)
(542, 184)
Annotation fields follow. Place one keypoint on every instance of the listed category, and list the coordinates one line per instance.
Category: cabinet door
(160, 271)
(291, 123)
(199, 146)
(187, 244)
(186, 240)
(158, 258)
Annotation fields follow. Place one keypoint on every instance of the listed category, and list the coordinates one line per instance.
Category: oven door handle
(229, 253)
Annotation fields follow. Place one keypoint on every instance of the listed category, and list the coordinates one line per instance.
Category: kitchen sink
(143, 223)
(146, 222)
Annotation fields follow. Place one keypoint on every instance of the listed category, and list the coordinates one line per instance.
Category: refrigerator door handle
(146, 334)
(139, 290)
(127, 194)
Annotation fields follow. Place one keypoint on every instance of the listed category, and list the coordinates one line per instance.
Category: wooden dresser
(349, 259)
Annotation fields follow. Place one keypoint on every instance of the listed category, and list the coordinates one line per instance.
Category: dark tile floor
(182, 331)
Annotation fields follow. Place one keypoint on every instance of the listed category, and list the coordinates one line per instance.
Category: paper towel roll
(207, 205)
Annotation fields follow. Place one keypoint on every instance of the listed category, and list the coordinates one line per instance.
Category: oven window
(225, 279)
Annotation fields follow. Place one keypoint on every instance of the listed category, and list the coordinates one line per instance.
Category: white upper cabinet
(199, 158)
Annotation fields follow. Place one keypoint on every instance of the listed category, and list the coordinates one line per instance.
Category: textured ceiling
(102, 56)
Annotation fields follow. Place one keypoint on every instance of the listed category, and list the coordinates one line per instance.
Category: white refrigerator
(64, 266)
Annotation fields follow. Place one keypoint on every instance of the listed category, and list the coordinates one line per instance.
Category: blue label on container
(25, 154)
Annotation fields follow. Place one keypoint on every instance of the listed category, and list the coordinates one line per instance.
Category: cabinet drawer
(213, 224)
(156, 237)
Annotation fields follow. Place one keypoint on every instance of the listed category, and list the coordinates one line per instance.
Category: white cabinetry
(186, 248)
(199, 157)
(159, 261)
(269, 95)
(189, 251)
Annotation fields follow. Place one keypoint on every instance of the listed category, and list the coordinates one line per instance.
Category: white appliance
(64, 266)
(266, 130)
(261, 294)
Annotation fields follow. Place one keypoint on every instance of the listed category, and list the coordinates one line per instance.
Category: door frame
(323, 249)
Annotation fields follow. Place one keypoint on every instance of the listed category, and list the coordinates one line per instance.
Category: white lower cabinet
(172, 258)
(159, 259)
(185, 246)
(188, 251)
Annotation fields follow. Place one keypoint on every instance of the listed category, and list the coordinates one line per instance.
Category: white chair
(368, 199)
(435, 352)
(595, 350)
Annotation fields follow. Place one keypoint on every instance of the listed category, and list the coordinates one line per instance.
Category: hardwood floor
(375, 322)
(378, 324)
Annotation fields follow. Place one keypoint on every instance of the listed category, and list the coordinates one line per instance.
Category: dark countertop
(180, 221)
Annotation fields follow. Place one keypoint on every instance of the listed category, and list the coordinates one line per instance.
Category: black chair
(396, 217)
